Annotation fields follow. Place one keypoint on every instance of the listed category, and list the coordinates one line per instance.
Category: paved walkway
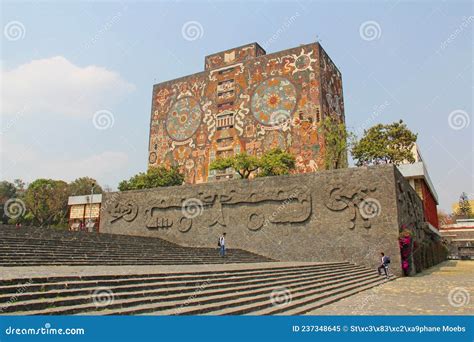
(58, 271)
(446, 289)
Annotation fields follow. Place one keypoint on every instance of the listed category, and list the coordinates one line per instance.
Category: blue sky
(64, 63)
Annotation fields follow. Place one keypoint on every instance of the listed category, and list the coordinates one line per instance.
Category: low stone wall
(338, 215)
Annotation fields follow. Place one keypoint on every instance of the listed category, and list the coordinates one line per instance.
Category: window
(225, 120)
(226, 71)
(225, 105)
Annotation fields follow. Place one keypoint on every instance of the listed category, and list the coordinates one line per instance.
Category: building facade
(246, 100)
(84, 212)
(417, 175)
(460, 236)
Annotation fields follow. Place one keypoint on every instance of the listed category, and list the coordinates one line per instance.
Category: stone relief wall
(347, 215)
(427, 248)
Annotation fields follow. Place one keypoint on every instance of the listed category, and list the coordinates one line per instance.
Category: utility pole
(90, 206)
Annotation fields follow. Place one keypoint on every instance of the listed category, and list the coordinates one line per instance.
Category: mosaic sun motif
(183, 119)
(274, 101)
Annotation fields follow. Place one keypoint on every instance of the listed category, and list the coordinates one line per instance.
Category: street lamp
(90, 206)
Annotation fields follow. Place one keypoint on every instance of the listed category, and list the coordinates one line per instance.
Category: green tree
(276, 162)
(83, 186)
(243, 163)
(385, 144)
(336, 143)
(46, 200)
(7, 191)
(272, 163)
(19, 185)
(464, 208)
(153, 178)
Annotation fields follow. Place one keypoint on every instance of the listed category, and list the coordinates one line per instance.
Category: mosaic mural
(183, 119)
(246, 100)
(274, 101)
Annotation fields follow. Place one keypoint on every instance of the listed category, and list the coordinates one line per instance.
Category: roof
(457, 229)
(75, 200)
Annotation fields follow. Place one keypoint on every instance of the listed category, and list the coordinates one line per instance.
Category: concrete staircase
(29, 246)
(252, 289)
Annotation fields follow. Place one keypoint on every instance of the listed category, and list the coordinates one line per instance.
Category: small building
(417, 175)
(84, 212)
(460, 236)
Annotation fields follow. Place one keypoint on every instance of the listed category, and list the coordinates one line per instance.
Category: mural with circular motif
(274, 101)
(183, 119)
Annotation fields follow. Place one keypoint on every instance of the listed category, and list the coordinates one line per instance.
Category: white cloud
(57, 86)
(28, 163)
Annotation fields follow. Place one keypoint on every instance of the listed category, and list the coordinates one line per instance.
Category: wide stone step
(46, 256)
(83, 239)
(166, 293)
(132, 262)
(257, 298)
(51, 283)
(310, 299)
(47, 247)
(172, 284)
(47, 235)
(170, 253)
(55, 244)
(270, 267)
(170, 301)
(310, 303)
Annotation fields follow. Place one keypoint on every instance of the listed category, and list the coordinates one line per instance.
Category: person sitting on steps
(221, 245)
(384, 265)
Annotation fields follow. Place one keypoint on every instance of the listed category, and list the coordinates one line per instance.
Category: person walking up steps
(384, 264)
(221, 245)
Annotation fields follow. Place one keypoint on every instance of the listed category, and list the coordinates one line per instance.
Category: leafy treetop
(385, 144)
(272, 163)
(154, 177)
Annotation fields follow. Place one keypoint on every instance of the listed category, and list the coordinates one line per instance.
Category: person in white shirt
(222, 245)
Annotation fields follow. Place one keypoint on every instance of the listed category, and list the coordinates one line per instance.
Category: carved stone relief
(350, 198)
(409, 208)
(126, 210)
(218, 208)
